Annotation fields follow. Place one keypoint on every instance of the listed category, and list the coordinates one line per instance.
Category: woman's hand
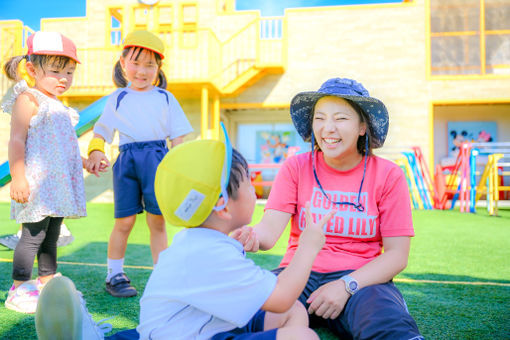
(329, 300)
(247, 237)
(97, 163)
(20, 190)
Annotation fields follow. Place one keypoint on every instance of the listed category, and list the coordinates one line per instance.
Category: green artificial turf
(457, 283)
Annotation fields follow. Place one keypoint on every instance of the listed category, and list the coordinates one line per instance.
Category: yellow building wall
(381, 46)
(385, 48)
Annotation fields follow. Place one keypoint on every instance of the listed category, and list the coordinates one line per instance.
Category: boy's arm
(176, 141)
(292, 280)
(264, 234)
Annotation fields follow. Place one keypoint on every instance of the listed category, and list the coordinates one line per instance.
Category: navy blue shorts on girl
(133, 177)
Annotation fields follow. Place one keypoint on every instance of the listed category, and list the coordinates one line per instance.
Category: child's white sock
(114, 267)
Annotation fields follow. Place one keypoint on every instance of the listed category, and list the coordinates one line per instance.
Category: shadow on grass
(442, 311)
(449, 278)
(458, 311)
(15, 324)
(96, 253)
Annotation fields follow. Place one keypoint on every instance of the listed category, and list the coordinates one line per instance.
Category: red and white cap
(51, 43)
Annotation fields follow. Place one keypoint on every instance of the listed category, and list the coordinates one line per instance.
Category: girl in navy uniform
(145, 115)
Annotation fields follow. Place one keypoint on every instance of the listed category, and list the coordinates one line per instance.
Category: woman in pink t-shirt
(350, 290)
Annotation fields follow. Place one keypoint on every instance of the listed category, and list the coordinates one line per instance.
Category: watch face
(353, 285)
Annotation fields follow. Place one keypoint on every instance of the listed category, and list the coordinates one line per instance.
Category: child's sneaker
(24, 298)
(65, 237)
(10, 241)
(120, 286)
(41, 285)
(61, 313)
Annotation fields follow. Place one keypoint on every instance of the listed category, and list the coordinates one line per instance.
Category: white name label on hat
(48, 41)
(190, 205)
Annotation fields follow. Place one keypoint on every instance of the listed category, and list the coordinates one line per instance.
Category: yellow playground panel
(490, 179)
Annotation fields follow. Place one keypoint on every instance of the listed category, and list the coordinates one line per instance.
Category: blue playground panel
(420, 183)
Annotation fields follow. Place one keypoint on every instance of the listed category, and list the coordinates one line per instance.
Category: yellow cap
(145, 39)
(190, 179)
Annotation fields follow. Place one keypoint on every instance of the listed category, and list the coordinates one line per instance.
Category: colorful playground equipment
(422, 191)
(461, 184)
(492, 182)
(454, 186)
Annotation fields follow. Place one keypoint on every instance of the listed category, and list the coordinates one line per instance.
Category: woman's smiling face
(336, 127)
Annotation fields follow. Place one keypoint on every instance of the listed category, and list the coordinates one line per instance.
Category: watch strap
(351, 285)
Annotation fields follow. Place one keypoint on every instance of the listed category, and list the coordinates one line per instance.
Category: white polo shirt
(141, 116)
(202, 285)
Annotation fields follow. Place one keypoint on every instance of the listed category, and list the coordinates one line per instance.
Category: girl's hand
(20, 190)
(97, 163)
(329, 300)
(85, 163)
(103, 167)
(247, 237)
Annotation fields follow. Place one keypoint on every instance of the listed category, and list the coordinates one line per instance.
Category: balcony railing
(225, 65)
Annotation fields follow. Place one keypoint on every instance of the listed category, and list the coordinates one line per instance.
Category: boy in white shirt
(203, 286)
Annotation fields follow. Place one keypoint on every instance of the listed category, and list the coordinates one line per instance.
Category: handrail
(232, 37)
(240, 57)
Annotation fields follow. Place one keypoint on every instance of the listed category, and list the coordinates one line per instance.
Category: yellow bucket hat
(145, 39)
(191, 178)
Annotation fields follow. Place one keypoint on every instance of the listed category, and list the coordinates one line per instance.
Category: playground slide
(88, 117)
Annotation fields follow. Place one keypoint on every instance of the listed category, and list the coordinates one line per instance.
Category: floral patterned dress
(53, 165)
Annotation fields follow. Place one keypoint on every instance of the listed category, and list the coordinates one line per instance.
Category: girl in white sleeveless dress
(44, 159)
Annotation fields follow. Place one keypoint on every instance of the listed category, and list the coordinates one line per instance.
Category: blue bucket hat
(303, 104)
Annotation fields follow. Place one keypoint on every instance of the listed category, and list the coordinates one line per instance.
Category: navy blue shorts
(374, 312)
(254, 329)
(133, 177)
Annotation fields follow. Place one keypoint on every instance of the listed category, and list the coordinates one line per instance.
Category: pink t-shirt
(353, 238)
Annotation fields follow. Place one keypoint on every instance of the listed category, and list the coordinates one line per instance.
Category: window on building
(470, 37)
(115, 26)
(165, 16)
(189, 18)
(140, 18)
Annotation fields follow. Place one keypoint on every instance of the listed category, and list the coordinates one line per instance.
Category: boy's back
(203, 273)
